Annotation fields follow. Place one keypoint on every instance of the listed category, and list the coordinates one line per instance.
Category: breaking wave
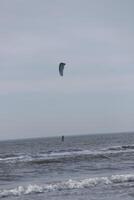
(66, 154)
(51, 156)
(67, 185)
(14, 159)
(121, 148)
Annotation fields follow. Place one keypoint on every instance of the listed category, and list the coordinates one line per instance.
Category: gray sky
(96, 40)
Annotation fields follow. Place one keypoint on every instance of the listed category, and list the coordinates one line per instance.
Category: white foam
(12, 192)
(46, 156)
(122, 178)
(70, 184)
(66, 154)
(14, 159)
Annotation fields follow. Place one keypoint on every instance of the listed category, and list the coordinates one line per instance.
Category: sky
(95, 38)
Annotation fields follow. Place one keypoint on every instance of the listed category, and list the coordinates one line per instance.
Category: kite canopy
(61, 68)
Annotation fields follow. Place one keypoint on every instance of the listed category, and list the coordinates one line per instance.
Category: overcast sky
(95, 38)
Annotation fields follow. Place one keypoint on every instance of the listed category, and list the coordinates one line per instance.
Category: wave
(54, 156)
(14, 159)
(67, 185)
(64, 155)
(120, 148)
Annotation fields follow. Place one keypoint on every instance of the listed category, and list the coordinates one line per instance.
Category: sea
(86, 167)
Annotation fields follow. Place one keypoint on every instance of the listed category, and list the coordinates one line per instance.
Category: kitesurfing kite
(61, 68)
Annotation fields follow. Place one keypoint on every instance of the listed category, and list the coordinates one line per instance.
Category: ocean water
(88, 167)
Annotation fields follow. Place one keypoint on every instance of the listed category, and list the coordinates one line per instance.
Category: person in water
(62, 138)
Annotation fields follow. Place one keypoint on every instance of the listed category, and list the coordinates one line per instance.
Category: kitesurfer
(62, 138)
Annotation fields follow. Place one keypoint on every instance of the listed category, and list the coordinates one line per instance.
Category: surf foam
(67, 185)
